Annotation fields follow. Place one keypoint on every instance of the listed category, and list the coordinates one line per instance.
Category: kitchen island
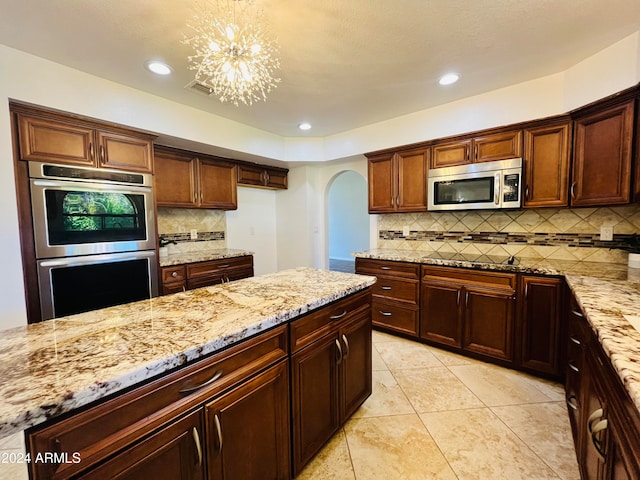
(67, 365)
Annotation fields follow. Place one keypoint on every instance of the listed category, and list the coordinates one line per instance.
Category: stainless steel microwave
(486, 185)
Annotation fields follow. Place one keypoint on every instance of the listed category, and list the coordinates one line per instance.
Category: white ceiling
(344, 64)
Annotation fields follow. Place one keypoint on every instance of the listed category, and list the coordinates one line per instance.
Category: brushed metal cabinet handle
(575, 340)
(526, 192)
(346, 346)
(385, 268)
(572, 402)
(597, 444)
(216, 376)
(196, 440)
(102, 153)
(385, 314)
(339, 359)
(338, 317)
(385, 287)
(573, 190)
(91, 152)
(577, 313)
(573, 366)
(595, 415)
(216, 420)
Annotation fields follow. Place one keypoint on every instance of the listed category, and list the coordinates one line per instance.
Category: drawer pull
(595, 416)
(216, 376)
(226, 265)
(196, 440)
(338, 317)
(174, 274)
(346, 345)
(575, 340)
(572, 402)
(577, 313)
(597, 444)
(385, 268)
(385, 287)
(572, 366)
(216, 420)
(339, 359)
(385, 314)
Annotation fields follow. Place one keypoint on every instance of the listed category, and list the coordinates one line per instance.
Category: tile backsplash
(554, 233)
(176, 224)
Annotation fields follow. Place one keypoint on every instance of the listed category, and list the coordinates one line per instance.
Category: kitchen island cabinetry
(398, 181)
(193, 180)
(56, 138)
(546, 165)
(395, 296)
(178, 278)
(605, 422)
(602, 152)
(486, 148)
(469, 310)
(330, 372)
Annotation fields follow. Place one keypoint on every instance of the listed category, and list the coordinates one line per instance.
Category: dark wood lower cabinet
(441, 321)
(175, 452)
(248, 429)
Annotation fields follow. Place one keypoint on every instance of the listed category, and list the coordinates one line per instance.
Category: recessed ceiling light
(304, 126)
(159, 68)
(448, 79)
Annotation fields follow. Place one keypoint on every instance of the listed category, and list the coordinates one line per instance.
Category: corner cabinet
(602, 156)
(330, 372)
(469, 310)
(546, 165)
(56, 138)
(398, 181)
(187, 179)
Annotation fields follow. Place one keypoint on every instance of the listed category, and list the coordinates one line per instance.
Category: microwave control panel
(511, 187)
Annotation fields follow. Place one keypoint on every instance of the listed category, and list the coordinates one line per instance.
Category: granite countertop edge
(180, 258)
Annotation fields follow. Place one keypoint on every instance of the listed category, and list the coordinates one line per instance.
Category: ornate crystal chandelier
(233, 56)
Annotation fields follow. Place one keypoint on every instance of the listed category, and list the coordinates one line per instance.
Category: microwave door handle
(498, 185)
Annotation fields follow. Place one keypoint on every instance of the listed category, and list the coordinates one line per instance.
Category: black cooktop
(475, 258)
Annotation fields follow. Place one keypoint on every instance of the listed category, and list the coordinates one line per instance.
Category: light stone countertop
(201, 256)
(53, 367)
(605, 292)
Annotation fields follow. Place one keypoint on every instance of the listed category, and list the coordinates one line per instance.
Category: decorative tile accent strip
(499, 238)
(186, 237)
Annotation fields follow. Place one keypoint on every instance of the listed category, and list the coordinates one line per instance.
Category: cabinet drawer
(394, 317)
(387, 268)
(315, 325)
(103, 429)
(397, 289)
(491, 279)
(176, 273)
(203, 269)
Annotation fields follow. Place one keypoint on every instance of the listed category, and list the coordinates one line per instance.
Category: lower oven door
(80, 284)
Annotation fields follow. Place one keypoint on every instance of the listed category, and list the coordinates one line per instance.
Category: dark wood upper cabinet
(398, 181)
(262, 176)
(55, 138)
(546, 165)
(602, 156)
(486, 148)
(187, 179)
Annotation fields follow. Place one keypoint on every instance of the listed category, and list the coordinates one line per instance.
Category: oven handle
(84, 185)
(498, 185)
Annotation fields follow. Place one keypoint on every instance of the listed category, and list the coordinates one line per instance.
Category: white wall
(253, 227)
(300, 212)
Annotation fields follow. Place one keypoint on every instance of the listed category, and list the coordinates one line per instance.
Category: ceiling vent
(198, 87)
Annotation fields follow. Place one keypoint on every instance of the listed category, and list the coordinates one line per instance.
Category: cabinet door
(175, 180)
(251, 175)
(440, 317)
(248, 429)
(489, 321)
(591, 457)
(382, 184)
(412, 170)
(276, 178)
(356, 364)
(217, 184)
(124, 152)
(498, 146)
(546, 166)
(50, 141)
(175, 452)
(541, 315)
(451, 154)
(602, 157)
(314, 398)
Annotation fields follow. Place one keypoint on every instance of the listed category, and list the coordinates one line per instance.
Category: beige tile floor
(436, 415)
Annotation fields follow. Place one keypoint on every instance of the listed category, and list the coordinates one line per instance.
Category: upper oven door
(466, 191)
(82, 218)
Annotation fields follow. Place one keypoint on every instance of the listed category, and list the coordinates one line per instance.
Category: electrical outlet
(606, 233)
(405, 231)
(194, 234)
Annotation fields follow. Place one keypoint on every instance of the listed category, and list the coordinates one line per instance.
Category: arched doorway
(348, 220)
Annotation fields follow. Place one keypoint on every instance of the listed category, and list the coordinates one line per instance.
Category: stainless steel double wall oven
(94, 233)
